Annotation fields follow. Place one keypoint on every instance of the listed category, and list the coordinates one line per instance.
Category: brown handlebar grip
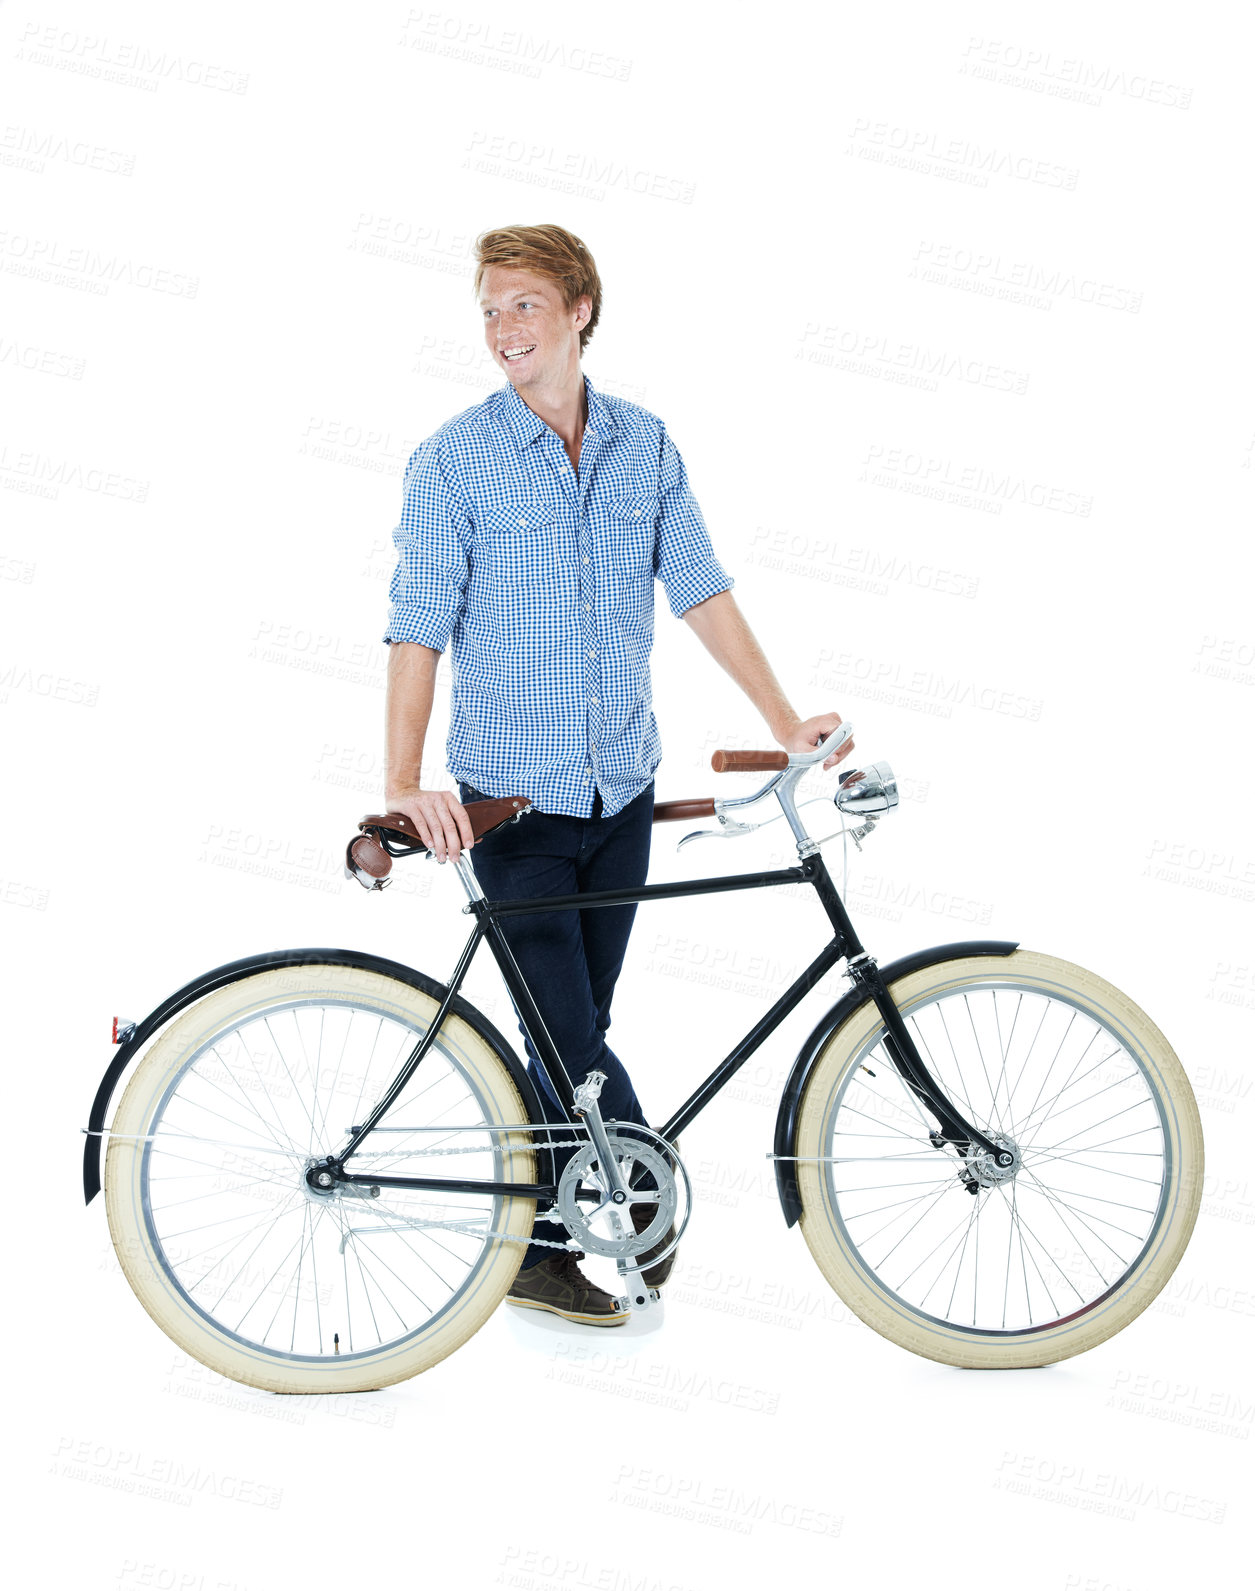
(674, 811)
(748, 761)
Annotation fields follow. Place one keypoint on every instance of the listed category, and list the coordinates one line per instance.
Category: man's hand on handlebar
(806, 734)
(439, 817)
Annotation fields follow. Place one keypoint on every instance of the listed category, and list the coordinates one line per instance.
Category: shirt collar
(526, 425)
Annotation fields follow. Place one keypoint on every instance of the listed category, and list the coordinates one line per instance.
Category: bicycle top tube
(782, 784)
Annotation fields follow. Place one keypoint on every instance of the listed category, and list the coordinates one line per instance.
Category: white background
(236, 275)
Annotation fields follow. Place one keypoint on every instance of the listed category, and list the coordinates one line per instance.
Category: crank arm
(587, 1110)
(640, 1296)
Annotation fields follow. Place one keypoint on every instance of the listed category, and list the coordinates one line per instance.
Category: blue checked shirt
(543, 585)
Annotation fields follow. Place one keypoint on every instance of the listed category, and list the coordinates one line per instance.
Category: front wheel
(959, 1259)
(238, 1259)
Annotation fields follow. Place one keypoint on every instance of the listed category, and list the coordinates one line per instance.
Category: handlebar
(761, 761)
(382, 836)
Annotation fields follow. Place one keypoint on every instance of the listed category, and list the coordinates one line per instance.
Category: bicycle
(967, 1138)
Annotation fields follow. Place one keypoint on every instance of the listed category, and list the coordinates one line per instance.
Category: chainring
(603, 1227)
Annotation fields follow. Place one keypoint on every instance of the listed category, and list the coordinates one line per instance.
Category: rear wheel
(969, 1263)
(261, 1277)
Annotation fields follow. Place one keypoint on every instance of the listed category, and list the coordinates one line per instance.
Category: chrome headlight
(870, 789)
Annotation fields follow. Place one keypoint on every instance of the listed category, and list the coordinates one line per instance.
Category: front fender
(808, 1055)
(232, 972)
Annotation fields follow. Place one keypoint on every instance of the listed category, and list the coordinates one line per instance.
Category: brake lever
(728, 830)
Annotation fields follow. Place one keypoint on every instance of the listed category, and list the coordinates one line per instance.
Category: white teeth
(515, 353)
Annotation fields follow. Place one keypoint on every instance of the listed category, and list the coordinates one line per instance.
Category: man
(533, 528)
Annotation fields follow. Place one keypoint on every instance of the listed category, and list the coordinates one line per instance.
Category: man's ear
(583, 310)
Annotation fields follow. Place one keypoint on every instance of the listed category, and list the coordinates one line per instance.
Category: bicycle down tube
(844, 945)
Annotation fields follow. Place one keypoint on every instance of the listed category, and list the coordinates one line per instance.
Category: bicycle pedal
(638, 1298)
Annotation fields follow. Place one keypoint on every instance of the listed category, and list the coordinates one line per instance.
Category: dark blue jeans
(570, 960)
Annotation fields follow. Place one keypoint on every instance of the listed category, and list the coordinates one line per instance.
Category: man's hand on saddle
(439, 817)
(806, 734)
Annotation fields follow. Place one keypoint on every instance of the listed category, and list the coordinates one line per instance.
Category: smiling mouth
(518, 353)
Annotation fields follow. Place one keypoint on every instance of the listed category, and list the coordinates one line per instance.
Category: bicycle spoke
(1028, 1056)
(1004, 1046)
(897, 1204)
(1022, 1125)
(931, 1062)
(252, 1245)
(997, 1267)
(271, 1129)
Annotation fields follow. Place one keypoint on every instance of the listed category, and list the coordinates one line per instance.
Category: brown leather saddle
(368, 857)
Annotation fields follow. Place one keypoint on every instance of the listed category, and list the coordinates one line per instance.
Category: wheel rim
(1043, 1243)
(261, 1257)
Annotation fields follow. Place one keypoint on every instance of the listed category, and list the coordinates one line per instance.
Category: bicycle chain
(470, 1149)
(505, 1237)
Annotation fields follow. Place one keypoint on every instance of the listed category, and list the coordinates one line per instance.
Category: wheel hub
(985, 1169)
(320, 1184)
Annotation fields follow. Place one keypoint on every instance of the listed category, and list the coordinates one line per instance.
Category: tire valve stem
(869, 1071)
(337, 1342)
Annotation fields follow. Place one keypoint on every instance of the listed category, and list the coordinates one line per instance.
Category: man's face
(530, 333)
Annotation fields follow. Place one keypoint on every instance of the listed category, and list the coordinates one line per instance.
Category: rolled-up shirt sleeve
(684, 559)
(429, 582)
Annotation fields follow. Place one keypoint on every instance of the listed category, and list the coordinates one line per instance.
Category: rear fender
(232, 972)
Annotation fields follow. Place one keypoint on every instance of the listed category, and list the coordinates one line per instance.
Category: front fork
(955, 1129)
(861, 967)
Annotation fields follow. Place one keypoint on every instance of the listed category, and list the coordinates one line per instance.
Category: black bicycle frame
(844, 945)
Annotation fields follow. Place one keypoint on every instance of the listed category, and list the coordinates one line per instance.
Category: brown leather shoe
(654, 1275)
(642, 1215)
(559, 1286)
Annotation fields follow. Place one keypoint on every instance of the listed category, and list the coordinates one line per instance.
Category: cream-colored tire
(205, 1182)
(1067, 1266)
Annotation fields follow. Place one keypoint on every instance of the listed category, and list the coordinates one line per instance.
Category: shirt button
(522, 522)
(584, 560)
(588, 607)
(636, 513)
(596, 701)
(592, 651)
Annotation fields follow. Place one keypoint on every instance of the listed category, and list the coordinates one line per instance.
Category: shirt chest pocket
(626, 528)
(516, 544)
